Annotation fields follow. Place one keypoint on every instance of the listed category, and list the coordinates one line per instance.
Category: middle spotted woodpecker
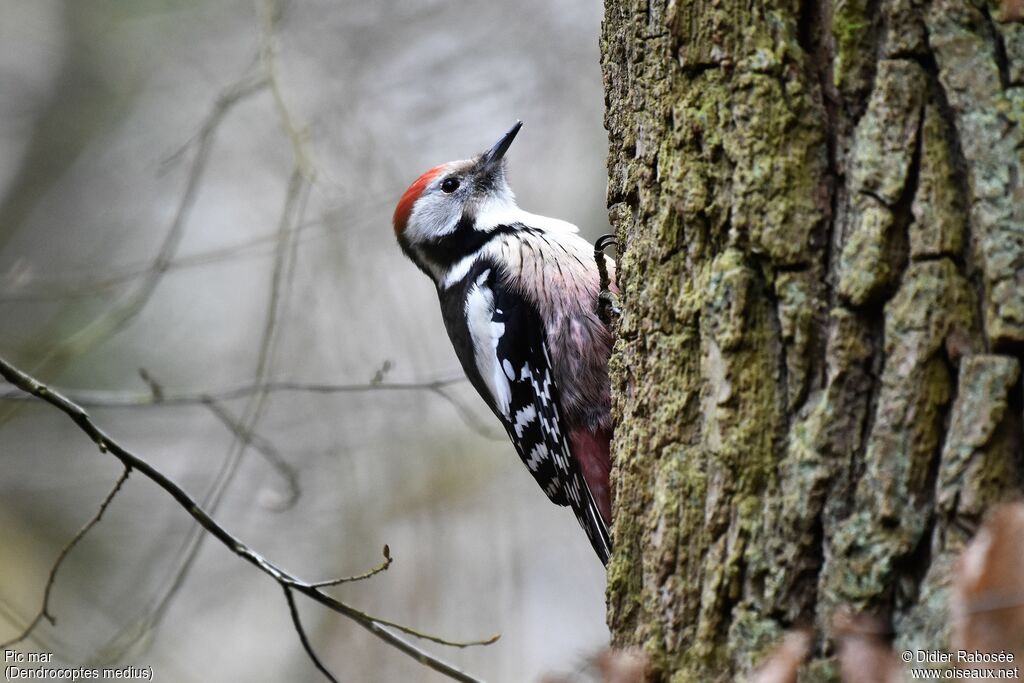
(519, 295)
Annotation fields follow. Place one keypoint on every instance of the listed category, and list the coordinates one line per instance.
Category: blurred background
(195, 205)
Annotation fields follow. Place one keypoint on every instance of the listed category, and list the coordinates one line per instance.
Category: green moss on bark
(814, 204)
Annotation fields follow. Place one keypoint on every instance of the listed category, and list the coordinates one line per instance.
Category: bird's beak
(495, 153)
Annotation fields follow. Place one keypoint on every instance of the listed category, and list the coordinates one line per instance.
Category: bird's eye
(450, 185)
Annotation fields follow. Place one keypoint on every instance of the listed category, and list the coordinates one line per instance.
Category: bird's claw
(604, 241)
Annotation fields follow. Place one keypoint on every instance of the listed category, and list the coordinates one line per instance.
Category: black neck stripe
(447, 250)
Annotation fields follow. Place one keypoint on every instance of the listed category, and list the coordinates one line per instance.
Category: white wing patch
(485, 334)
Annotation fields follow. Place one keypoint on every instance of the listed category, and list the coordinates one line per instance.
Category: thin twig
(468, 416)
(111, 321)
(435, 639)
(44, 610)
(43, 288)
(297, 134)
(116, 318)
(306, 645)
(121, 399)
(383, 566)
(127, 399)
(293, 208)
(286, 253)
(264, 447)
(107, 444)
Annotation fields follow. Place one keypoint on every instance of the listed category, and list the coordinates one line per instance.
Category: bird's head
(450, 210)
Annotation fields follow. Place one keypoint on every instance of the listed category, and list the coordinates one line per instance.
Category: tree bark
(817, 379)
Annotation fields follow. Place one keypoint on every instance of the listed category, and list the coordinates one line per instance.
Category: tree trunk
(817, 376)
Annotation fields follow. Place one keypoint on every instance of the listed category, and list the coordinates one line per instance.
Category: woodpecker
(519, 296)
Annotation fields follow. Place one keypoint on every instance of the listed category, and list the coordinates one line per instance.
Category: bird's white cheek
(431, 219)
(498, 209)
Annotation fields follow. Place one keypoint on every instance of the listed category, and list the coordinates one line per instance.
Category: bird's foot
(608, 308)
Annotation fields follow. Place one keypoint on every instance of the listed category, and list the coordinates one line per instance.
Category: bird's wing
(512, 353)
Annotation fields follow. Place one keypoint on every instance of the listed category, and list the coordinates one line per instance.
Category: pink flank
(592, 451)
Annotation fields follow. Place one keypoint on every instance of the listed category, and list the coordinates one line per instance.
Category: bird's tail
(589, 516)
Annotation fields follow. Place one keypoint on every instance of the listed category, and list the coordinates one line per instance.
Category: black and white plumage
(512, 371)
(518, 295)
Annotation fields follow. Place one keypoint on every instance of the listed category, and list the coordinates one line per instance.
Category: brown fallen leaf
(864, 655)
(987, 597)
(623, 666)
(1012, 10)
(611, 666)
(783, 664)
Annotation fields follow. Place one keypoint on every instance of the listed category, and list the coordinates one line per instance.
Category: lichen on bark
(816, 380)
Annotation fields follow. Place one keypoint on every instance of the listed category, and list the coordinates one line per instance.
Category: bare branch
(468, 416)
(297, 134)
(292, 211)
(306, 645)
(264, 447)
(44, 288)
(286, 240)
(122, 399)
(125, 399)
(107, 444)
(44, 610)
(114, 319)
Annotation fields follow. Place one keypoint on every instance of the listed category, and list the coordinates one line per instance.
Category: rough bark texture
(817, 378)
